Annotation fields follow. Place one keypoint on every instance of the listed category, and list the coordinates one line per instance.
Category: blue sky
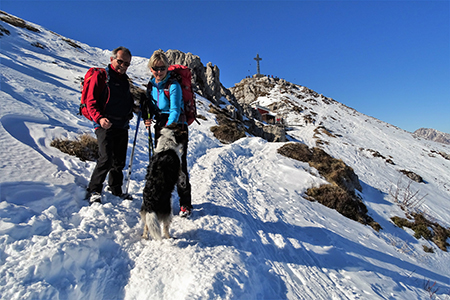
(387, 59)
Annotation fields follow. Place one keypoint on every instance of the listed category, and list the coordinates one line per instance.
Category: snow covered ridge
(299, 107)
(14, 21)
(253, 234)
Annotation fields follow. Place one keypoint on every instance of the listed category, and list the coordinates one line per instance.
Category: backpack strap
(167, 86)
(173, 77)
(105, 93)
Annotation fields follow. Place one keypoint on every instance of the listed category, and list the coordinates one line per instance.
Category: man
(111, 109)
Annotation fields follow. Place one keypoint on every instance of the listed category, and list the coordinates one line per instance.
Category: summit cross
(257, 58)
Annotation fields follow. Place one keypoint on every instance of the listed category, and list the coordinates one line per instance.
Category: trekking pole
(130, 164)
(150, 142)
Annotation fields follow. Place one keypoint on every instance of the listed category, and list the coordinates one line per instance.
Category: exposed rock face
(206, 79)
(249, 89)
(271, 133)
(433, 135)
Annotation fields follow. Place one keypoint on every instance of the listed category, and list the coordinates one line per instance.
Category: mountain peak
(433, 135)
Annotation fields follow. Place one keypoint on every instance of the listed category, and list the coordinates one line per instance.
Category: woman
(166, 111)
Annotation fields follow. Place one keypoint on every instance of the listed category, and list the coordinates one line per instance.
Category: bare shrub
(85, 147)
(406, 198)
(410, 202)
(431, 288)
(401, 245)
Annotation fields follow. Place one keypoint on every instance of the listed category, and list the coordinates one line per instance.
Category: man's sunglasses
(121, 62)
(156, 69)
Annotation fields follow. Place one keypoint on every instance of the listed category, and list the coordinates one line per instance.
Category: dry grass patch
(378, 154)
(321, 129)
(344, 202)
(38, 45)
(3, 31)
(14, 21)
(85, 147)
(334, 170)
(340, 194)
(442, 153)
(410, 201)
(425, 228)
(72, 43)
(413, 176)
(228, 130)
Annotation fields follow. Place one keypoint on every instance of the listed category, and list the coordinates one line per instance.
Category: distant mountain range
(433, 135)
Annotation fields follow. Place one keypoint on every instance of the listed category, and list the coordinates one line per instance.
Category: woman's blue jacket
(172, 106)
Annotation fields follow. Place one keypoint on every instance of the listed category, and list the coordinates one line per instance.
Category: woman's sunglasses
(156, 69)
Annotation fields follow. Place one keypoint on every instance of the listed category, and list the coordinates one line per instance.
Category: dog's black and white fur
(163, 173)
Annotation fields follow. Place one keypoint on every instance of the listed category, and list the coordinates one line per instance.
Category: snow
(252, 235)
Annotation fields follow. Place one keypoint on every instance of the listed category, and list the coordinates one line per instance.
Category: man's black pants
(112, 150)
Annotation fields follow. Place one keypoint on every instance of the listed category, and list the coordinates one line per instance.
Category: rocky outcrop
(249, 89)
(433, 135)
(271, 133)
(206, 79)
(206, 83)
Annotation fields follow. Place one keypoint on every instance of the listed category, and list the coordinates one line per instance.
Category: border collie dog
(163, 173)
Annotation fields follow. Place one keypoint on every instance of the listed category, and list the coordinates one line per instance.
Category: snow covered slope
(377, 151)
(252, 235)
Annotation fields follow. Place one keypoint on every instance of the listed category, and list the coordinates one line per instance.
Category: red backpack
(102, 80)
(183, 75)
